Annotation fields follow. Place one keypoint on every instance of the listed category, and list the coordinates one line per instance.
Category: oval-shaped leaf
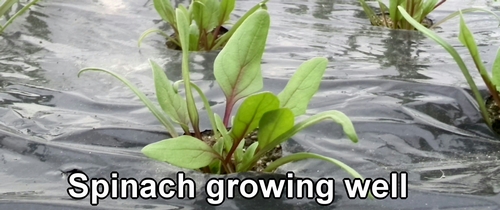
(194, 36)
(334, 115)
(181, 13)
(197, 11)
(211, 14)
(223, 39)
(170, 101)
(237, 67)
(250, 112)
(303, 85)
(250, 151)
(183, 151)
(226, 7)
(273, 124)
(248, 155)
(165, 10)
(467, 39)
(206, 14)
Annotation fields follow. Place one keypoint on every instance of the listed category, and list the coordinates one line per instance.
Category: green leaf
(226, 7)
(194, 37)
(171, 102)
(393, 11)
(156, 112)
(374, 19)
(273, 124)
(383, 11)
(209, 40)
(7, 5)
(206, 104)
(183, 28)
(183, 151)
(223, 39)
(250, 152)
(467, 39)
(165, 10)
(303, 85)
(306, 155)
(237, 67)
(238, 154)
(455, 56)
(250, 112)
(215, 166)
(383, 8)
(228, 141)
(496, 71)
(427, 8)
(183, 25)
(337, 116)
(211, 14)
(206, 14)
(197, 11)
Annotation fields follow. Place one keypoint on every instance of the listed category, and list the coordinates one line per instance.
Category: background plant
(417, 9)
(467, 39)
(5, 8)
(205, 19)
(237, 70)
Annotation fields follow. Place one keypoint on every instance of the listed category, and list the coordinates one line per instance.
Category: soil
(173, 46)
(276, 153)
(427, 22)
(494, 113)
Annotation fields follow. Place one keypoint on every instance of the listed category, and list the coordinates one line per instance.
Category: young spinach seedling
(237, 70)
(467, 39)
(205, 20)
(391, 17)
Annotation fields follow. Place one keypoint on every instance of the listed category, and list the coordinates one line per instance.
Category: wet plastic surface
(407, 99)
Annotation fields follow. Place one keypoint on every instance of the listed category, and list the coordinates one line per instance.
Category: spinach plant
(237, 70)
(391, 17)
(205, 19)
(6, 6)
(467, 39)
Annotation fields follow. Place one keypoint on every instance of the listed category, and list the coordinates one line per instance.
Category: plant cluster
(5, 8)
(467, 39)
(205, 19)
(391, 17)
(237, 70)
